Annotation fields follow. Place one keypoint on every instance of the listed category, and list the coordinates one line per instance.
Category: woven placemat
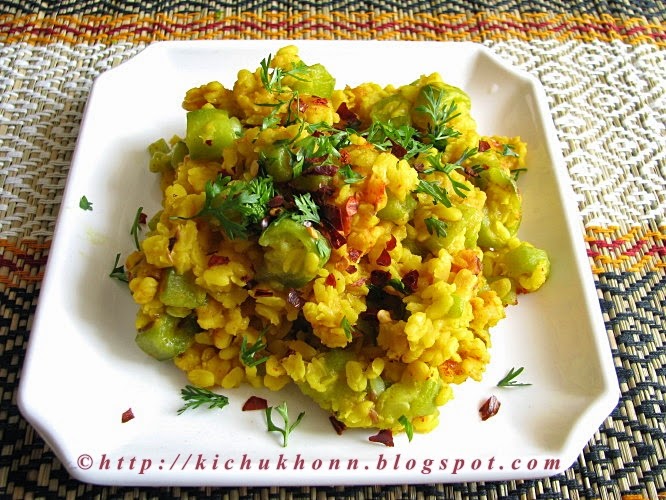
(603, 66)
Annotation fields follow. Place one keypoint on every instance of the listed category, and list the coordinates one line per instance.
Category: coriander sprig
(134, 231)
(271, 78)
(118, 272)
(235, 204)
(195, 397)
(248, 353)
(407, 425)
(288, 428)
(440, 114)
(509, 379)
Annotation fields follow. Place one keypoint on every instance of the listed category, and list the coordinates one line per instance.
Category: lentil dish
(359, 243)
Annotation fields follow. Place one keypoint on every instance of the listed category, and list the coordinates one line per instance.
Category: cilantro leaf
(288, 428)
(85, 204)
(436, 226)
(307, 209)
(118, 272)
(195, 397)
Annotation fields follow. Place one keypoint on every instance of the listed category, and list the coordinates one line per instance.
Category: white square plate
(83, 369)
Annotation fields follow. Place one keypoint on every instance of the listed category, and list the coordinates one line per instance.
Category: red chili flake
(327, 170)
(385, 437)
(419, 167)
(379, 278)
(276, 201)
(316, 159)
(483, 146)
(384, 258)
(351, 206)
(397, 150)
(260, 292)
(172, 243)
(143, 218)
(255, 403)
(351, 269)
(391, 244)
(333, 214)
(209, 142)
(348, 118)
(330, 280)
(302, 106)
(319, 100)
(337, 240)
(354, 254)
(411, 280)
(489, 408)
(294, 298)
(127, 416)
(358, 282)
(217, 260)
(345, 157)
(338, 426)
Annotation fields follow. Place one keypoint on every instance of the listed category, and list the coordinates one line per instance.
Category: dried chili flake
(411, 280)
(261, 292)
(348, 118)
(334, 237)
(351, 206)
(398, 150)
(391, 244)
(351, 269)
(379, 278)
(330, 280)
(327, 170)
(354, 254)
(384, 258)
(143, 218)
(255, 403)
(483, 146)
(358, 282)
(338, 426)
(127, 416)
(489, 408)
(276, 201)
(385, 437)
(294, 298)
(217, 260)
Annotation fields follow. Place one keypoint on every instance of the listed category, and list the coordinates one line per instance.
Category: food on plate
(358, 242)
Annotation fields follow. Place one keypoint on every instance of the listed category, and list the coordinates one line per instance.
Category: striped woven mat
(603, 66)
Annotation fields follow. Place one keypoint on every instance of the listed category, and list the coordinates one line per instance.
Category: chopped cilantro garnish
(85, 204)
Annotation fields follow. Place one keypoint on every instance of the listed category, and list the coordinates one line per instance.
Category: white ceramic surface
(83, 370)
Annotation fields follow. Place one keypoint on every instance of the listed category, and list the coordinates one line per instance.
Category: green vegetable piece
(408, 399)
(502, 210)
(311, 183)
(209, 131)
(276, 161)
(398, 211)
(167, 337)
(159, 146)
(179, 290)
(312, 80)
(394, 109)
(460, 234)
(293, 253)
(457, 308)
(178, 154)
(528, 265)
